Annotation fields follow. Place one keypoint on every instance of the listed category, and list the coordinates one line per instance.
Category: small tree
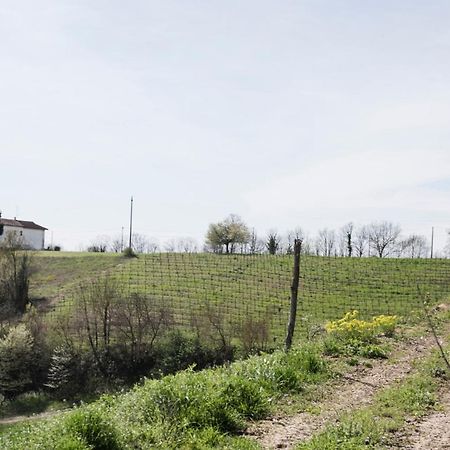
(15, 270)
(256, 245)
(361, 238)
(227, 234)
(383, 237)
(65, 374)
(325, 242)
(16, 361)
(414, 246)
(273, 242)
(95, 309)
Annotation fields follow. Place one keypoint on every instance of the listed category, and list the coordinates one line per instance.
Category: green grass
(192, 410)
(30, 403)
(56, 273)
(239, 287)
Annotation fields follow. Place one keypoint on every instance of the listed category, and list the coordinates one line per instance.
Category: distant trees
(447, 245)
(225, 236)
(99, 245)
(326, 242)
(232, 235)
(414, 246)
(383, 237)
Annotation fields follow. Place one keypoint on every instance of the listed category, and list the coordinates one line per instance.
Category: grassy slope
(258, 286)
(55, 273)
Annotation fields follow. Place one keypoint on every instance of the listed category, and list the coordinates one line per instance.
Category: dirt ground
(346, 394)
(431, 432)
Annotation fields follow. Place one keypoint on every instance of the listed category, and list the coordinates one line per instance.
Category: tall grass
(187, 410)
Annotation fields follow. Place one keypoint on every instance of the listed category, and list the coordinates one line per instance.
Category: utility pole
(432, 242)
(131, 222)
(121, 242)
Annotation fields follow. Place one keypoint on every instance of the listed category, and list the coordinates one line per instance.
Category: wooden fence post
(294, 294)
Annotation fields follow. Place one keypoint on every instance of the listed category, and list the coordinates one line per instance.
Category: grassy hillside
(55, 273)
(243, 287)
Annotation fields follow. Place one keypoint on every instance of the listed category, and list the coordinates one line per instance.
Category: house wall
(8, 229)
(32, 238)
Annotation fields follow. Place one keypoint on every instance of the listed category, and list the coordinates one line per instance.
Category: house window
(2, 227)
(21, 233)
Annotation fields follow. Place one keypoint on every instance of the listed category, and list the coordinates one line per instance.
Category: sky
(288, 113)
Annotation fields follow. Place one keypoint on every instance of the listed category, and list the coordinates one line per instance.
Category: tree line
(381, 239)
(232, 235)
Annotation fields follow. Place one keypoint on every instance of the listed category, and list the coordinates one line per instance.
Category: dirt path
(345, 394)
(429, 433)
(16, 419)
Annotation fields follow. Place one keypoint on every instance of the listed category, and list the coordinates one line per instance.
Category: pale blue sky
(289, 113)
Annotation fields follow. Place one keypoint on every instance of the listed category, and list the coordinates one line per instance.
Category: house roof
(21, 224)
(10, 222)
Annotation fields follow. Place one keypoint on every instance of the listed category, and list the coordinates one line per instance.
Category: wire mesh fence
(244, 293)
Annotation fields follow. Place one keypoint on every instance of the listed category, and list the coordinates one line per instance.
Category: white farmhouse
(33, 235)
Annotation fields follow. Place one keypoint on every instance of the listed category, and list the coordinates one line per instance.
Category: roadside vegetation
(376, 425)
(191, 409)
(110, 322)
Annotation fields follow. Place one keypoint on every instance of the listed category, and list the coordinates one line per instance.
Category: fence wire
(245, 291)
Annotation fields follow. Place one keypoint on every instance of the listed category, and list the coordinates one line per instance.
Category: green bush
(180, 350)
(190, 410)
(91, 428)
(65, 374)
(16, 361)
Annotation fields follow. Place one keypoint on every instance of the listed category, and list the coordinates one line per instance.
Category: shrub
(129, 253)
(65, 373)
(254, 335)
(16, 361)
(350, 327)
(181, 350)
(91, 428)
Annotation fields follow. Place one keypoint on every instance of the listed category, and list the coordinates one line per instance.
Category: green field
(55, 273)
(250, 287)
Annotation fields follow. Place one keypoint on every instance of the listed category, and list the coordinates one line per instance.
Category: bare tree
(139, 320)
(170, 246)
(140, 243)
(117, 244)
(256, 245)
(383, 237)
(100, 244)
(346, 240)
(360, 241)
(186, 245)
(290, 238)
(325, 242)
(414, 246)
(153, 246)
(447, 245)
(96, 306)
